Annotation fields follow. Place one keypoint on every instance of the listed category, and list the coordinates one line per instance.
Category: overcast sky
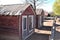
(47, 7)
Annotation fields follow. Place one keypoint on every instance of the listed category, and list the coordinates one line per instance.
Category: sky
(47, 7)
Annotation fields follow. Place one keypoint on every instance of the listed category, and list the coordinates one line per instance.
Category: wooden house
(40, 14)
(17, 20)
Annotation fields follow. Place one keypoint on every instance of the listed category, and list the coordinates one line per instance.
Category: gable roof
(14, 9)
(39, 11)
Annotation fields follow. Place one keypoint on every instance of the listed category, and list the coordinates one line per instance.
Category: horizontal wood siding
(20, 27)
(9, 26)
(9, 22)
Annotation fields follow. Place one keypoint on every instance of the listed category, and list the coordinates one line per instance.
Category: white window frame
(22, 23)
(32, 22)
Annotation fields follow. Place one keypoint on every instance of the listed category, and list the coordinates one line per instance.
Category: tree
(56, 7)
(36, 3)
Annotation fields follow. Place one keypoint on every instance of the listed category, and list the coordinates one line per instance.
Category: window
(24, 22)
(30, 23)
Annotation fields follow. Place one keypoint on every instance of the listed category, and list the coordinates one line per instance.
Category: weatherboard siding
(9, 22)
(9, 26)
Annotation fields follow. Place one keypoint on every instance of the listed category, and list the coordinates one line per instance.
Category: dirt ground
(8, 37)
(37, 36)
(57, 33)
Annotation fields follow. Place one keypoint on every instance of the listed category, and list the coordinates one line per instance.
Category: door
(30, 23)
(24, 27)
(40, 23)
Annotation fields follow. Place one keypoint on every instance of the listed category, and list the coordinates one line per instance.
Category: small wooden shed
(39, 18)
(17, 19)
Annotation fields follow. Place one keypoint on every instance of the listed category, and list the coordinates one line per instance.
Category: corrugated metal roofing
(15, 9)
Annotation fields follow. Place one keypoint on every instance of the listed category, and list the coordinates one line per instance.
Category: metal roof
(14, 9)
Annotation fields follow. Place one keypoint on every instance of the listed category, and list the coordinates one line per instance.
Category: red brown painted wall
(20, 27)
(9, 22)
(9, 25)
(28, 11)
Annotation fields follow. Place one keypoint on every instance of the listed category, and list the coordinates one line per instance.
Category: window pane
(24, 23)
(30, 23)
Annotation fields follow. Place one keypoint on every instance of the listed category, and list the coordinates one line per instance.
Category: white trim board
(22, 22)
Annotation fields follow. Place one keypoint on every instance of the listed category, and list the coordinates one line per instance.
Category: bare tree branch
(36, 3)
